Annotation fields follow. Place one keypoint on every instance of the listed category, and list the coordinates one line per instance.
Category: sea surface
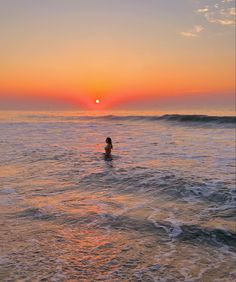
(162, 210)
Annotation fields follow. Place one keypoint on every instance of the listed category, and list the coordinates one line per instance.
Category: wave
(177, 118)
(199, 118)
(167, 117)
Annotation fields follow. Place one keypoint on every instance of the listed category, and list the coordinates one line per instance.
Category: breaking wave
(168, 117)
(200, 118)
(176, 118)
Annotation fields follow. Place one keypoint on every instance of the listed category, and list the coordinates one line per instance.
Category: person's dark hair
(109, 141)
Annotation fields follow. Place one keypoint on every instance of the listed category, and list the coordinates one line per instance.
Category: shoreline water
(163, 208)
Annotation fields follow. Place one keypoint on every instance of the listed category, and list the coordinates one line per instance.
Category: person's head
(109, 141)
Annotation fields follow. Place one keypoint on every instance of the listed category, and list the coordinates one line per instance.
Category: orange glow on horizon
(90, 53)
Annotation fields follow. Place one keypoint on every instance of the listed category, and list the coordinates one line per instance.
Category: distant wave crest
(177, 118)
(202, 119)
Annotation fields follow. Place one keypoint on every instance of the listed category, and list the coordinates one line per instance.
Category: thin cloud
(188, 34)
(223, 13)
(198, 28)
(203, 10)
(194, 32)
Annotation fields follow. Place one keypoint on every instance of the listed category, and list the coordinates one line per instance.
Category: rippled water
(162, 210)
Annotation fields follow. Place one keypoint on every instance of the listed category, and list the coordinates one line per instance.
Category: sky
(122, 52)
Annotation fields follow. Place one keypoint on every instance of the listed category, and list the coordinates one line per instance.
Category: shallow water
(162, 210)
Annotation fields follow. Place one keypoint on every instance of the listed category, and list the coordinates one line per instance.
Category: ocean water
(162, 210)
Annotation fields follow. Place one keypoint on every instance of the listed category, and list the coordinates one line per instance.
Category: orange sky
(83, 51)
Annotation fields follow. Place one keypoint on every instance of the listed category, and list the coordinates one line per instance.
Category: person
(108, 148)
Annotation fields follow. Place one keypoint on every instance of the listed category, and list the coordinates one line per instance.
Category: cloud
(222, 13)
(198, 28)
(203, 10)
(194, 32)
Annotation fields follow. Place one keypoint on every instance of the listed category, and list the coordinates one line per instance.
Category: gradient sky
(117, 50)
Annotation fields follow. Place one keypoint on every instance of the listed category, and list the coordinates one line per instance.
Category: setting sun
(97, 101)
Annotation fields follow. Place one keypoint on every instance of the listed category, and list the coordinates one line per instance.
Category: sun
(97, 101)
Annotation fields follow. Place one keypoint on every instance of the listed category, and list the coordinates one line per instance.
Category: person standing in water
(108, 148)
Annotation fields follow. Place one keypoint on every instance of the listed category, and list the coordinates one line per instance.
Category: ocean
(163, 209)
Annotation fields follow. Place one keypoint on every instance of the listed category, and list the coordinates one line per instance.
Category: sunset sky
(118, 51)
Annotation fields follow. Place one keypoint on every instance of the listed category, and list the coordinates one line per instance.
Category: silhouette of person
(108, 148)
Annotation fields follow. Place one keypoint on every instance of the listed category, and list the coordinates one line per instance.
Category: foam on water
(162, 210)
